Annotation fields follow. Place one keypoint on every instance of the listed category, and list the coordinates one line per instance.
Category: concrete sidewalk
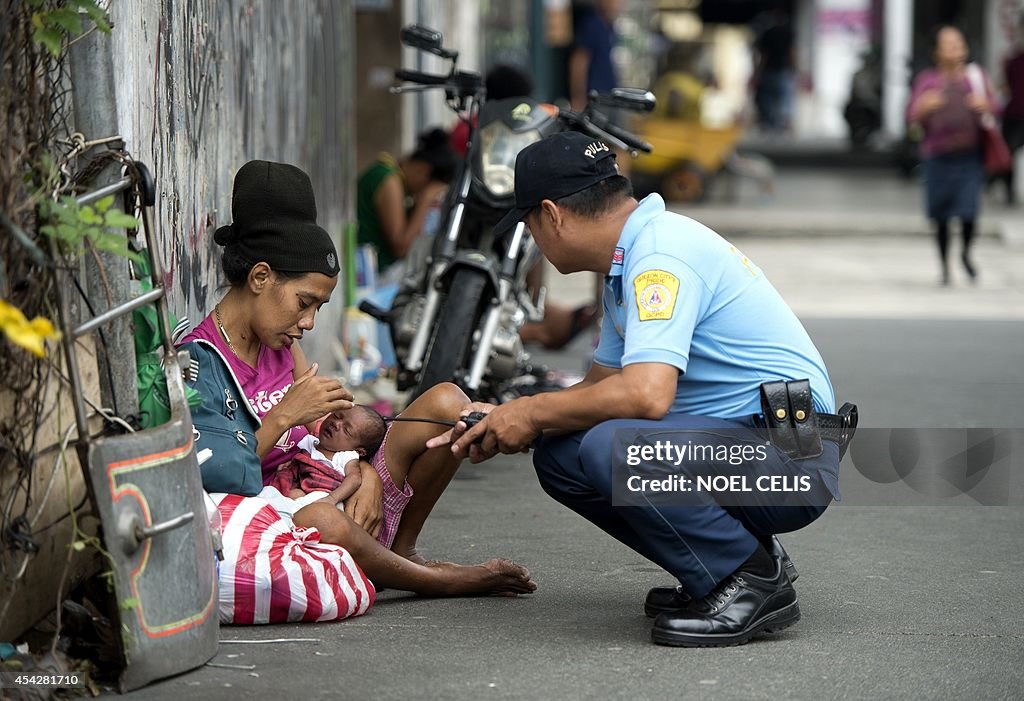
(839, 202)
(855, 244)
(877, 277)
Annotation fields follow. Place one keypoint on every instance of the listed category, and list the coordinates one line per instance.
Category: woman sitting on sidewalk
(282, 267)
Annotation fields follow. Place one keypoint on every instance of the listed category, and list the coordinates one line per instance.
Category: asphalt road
(898, 602)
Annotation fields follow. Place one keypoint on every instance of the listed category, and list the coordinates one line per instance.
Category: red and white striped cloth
(275, 573)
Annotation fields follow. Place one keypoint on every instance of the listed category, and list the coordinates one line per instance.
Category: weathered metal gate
(145, 487)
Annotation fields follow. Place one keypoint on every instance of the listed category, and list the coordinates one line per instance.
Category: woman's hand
(979, 103)
(928, 102)
(365, 506)
(433, 194)
(311, 398)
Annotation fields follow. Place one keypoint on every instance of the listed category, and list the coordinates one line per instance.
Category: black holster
(790, 418)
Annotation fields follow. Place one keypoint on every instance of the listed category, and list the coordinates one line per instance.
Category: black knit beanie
(273, 213)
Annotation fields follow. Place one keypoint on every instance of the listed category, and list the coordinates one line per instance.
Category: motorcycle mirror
(426, 39)
(634, 99)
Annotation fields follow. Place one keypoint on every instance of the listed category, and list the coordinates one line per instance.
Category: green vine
(36, 97)
(51, 26)
(63, 219)
(74, 225)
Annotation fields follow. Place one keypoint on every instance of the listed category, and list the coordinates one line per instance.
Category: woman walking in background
(949, 110)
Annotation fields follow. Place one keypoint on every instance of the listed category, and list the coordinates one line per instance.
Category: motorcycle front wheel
(453, 337)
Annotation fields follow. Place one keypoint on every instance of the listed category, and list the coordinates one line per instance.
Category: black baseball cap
(557, 166)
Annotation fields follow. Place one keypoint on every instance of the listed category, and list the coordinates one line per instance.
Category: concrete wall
(378, 54)
(199, 87)
(202, 86)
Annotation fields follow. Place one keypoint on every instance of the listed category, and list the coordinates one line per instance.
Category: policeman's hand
(460, 428)
(311, 397)
(509, 428)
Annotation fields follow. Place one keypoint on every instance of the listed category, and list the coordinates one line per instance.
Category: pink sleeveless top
(264, 387)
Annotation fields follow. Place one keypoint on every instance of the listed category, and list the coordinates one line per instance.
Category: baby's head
(360, 429)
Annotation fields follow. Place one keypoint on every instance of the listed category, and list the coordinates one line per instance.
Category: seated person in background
(329, 461)
(387, 221)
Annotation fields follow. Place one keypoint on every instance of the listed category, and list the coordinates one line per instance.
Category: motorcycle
(460, 305)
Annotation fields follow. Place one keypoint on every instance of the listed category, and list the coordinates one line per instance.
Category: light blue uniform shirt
(678, 293)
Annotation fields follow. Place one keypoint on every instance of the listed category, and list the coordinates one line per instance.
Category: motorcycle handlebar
(463, 84)
(625, 137)
(420, 77)
(598, 126)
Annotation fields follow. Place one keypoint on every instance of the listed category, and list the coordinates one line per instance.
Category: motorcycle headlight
(499, 147)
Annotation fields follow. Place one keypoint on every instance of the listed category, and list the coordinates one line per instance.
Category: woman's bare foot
(494, 577)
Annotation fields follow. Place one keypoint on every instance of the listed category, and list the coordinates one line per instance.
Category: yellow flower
(30, 335)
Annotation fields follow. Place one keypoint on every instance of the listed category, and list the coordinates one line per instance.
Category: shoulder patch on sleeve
(656, 292)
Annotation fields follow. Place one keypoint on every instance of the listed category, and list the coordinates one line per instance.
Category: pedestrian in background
(1013, 113)
(590, 63)
(949, 112)
(775, 73)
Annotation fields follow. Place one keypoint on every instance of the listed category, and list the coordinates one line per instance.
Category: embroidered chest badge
(656, 292)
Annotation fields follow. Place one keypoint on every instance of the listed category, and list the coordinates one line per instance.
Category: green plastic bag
(154, 404)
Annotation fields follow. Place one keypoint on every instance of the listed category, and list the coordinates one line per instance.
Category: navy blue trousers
(698, 543)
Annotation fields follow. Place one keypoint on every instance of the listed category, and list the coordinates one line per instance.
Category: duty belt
(839, 428)
(794, 427)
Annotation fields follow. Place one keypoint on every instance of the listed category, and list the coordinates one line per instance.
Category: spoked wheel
(450, 347)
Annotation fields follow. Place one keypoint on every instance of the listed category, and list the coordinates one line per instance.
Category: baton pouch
(790, 418)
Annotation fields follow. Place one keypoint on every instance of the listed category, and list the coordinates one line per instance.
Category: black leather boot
(739, 608)
(661, 599)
